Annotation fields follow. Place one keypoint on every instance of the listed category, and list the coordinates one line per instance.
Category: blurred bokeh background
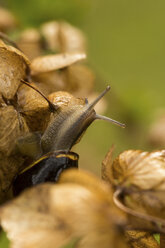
(126, 49)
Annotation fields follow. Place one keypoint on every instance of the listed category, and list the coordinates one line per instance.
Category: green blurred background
(126, 48)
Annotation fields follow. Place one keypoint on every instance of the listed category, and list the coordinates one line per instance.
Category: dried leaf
(54, 62)
(53, 215)
(14, 67)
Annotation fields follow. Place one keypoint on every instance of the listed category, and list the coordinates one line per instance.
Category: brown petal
(13, 68)
(52, 215)
(7, 20)
(49, 82)
(145, 170)
(30, 43)
(50, 31)
(63, 98)
(72, 39)
(34, 108)
(79, 80)
(9, 168)
(54, 62)
(12, 126)
(157, 131)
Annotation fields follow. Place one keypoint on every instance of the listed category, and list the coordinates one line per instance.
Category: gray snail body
(66, 127)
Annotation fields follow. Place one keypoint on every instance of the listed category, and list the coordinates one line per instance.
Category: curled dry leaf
(52, 215)
(63, 37)
(7, 20)
(54, 62)
(137, 239)
(14, 66)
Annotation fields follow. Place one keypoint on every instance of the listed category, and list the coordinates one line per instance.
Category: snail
(65, 129)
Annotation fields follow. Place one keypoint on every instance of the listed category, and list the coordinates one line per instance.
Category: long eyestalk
(91, 105)
(100, 117)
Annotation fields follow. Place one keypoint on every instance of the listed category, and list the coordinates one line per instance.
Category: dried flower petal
(50, 31)
(54, 62)
(34, 108)
(12, 127)
(53, 215)
(79, 80)
(13, 68)
(72, 39)
(145, 170)
(7, 20)
(30, 43)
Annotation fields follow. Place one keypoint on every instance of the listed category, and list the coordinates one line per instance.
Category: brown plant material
(139, 178)
(63, 37)
(79, 80)
(9, 168)
(72, 39)
(145, 170)
(34, 108)
(137, 239)
(7, 20)
(157, 131)
(14, 66)
(54, 62)
(12, 126)
(30, 43)
(53, 215)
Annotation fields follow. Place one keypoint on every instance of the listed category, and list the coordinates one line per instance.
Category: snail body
(52, 149)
